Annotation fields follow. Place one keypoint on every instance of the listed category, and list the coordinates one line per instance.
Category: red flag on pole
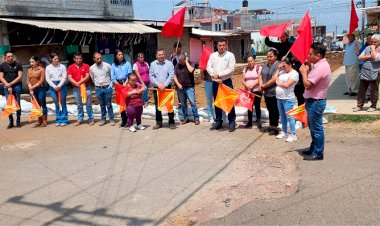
(354, 20)
(245, 99)
(174, 26)
(206, 52)
(275, 30)
(301, 46)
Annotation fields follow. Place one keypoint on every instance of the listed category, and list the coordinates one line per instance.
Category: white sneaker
(140, 127)
(212, 121)
(291, 138)
(281, 135)
(132, 129)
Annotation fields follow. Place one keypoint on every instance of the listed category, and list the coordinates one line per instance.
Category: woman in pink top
(251, 83)
(141, 69)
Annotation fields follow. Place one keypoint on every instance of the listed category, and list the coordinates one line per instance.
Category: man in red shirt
(79, 74)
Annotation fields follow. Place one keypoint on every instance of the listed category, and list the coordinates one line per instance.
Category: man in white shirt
(221, 66)
(100, 73)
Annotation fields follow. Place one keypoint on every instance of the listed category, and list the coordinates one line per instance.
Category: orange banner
(36, 110)
(165, 99)
(299, 114)
(10, 107)
(226, 98)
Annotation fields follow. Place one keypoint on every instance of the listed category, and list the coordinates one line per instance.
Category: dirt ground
(269, 170)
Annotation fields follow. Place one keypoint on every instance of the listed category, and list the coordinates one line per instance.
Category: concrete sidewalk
(344, 103)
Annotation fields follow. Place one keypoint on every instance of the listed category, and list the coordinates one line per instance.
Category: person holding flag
(79, 75)
(11, 77)
(316, 84)
(56, 77)
(251, 83)
(221, 66)
(161, 74)
(282, 47)
(286, 98)
(351, 63)
(35, 80)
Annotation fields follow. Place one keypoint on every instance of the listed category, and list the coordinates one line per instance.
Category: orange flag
(165, 100)
(83, 93)
(299, 114)
(226, 98)
(11, 106)
(245, 99)
(59, 98)
(36, 111)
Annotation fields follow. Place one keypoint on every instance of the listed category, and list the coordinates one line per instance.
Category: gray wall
(91, 9)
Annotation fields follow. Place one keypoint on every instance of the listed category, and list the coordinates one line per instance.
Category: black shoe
(232, 127)
(259, 125)
(10, 125)
(18, 125)
(308, 152)
(353, 94)
(123, 124)
(273, 132)
(172, 126)
(313, 158)
(157, 126)
(346, 93)
(216, 126)
(248, 125)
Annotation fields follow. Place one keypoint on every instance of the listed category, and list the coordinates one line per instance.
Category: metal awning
(87, 26)
(204, 33)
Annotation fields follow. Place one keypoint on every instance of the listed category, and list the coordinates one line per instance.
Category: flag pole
(177, 45)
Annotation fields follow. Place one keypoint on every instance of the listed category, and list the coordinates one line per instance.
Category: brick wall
(91, 9)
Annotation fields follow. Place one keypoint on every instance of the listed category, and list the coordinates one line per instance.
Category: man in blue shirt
(161, 74)
(351, 63)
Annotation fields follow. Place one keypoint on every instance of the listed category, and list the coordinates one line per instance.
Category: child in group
(134, 104)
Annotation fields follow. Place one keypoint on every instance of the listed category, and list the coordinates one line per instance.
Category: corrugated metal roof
(87, 26)
(211, 33)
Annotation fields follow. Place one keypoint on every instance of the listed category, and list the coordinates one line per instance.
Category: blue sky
(332, 13)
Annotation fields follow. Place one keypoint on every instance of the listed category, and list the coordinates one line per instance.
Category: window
(121, 2)
(220, 27)
(216, 27)
(224, 26)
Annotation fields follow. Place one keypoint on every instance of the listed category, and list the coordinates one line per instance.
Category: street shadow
(299, 151)
(76, 215)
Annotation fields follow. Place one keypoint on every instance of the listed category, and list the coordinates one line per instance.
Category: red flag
(174, 26)
(206, 52)
(245, 99)
(121, 96)
(275, 30)
(301, 46)
(354, 20)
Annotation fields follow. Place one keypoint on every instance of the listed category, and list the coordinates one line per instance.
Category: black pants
(299, 89)
(123, 114)
(274, 115)
(363, 87)
(218, 111)
(256, 103)
(158, 113)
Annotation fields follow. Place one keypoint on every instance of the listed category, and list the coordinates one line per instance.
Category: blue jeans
(40, 94)
(210, 100)
(104, 96)
(145, 96)
(78, 100)
(285, 105)
(61, 116)
(16, 91)
(187, 93)
(315, 110)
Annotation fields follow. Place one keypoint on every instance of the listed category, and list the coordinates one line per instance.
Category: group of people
(281, 81)
(362, 63)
